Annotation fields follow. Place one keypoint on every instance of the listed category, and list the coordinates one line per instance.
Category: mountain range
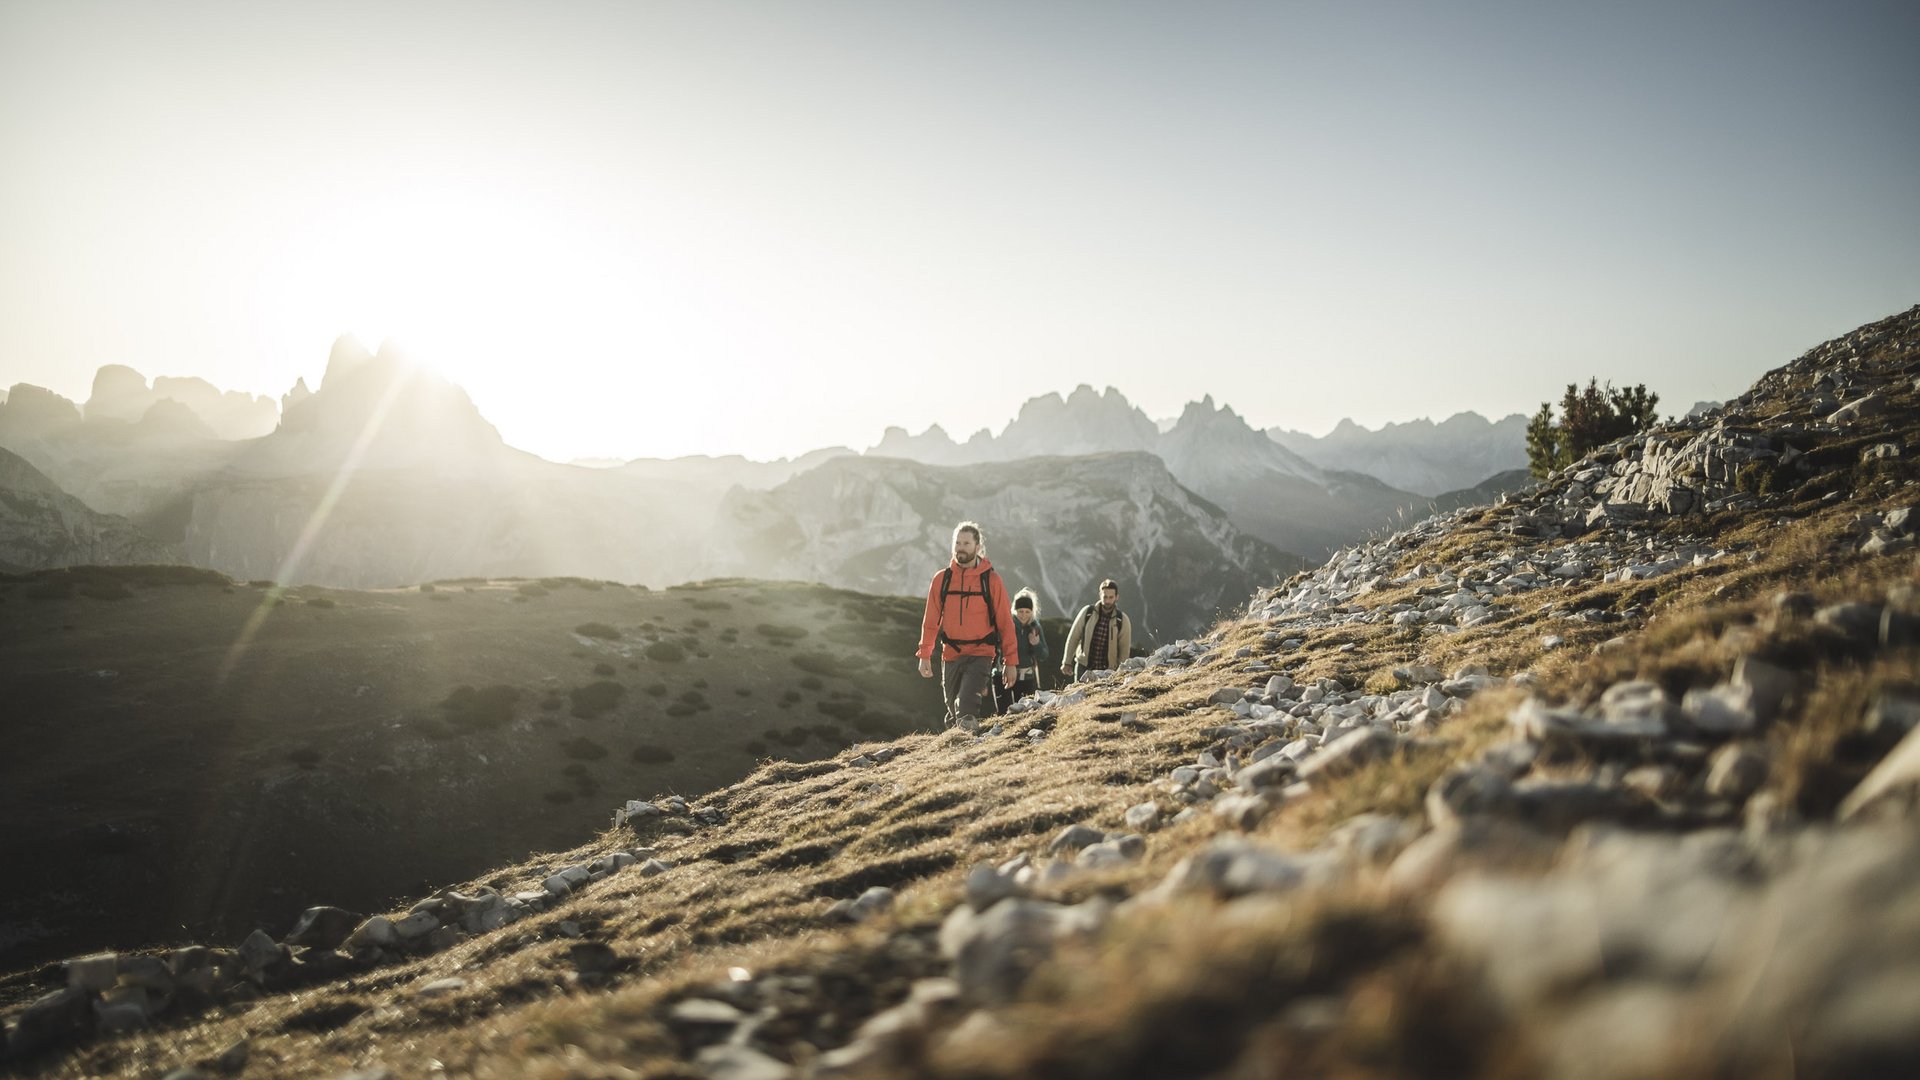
(1419, 455)
(387, 474)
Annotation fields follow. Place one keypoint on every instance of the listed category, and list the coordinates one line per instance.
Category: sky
(651, 229)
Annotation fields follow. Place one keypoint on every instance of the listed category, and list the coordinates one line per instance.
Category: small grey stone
(415, 926)
(94, 973)
(259, 950)
(1143, 816)
(704, 1012)
(1853, 619)
(1769, 685)
(992, 952)
(1352, 751)
(1275, 770)
(1075, 837)
(1793, 603)
(323, 927)
(119, 1016)
(730, 1062)
(1726, 709)
(1243, 810)
(1737, 771)
(1467, 791)
(377, 932)
(873, 901)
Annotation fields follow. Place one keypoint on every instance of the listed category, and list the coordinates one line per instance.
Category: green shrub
(681, 708)
(811, 683)
(321, 602)
(597, 630)
(658, 689)
(583, 749)
(651, 754)
(818, 663)
(1588, 418)
(666, 652)
(529, 590)
(604, 670)
(780, 632)
(480, 710)
(841, 710)
(595, 698)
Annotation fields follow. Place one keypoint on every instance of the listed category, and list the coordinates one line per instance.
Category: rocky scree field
(1615, 779)
(167, 786)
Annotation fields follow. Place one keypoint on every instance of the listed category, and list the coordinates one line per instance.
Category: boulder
(323, 928)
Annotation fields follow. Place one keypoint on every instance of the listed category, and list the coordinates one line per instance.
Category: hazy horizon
(764, 229)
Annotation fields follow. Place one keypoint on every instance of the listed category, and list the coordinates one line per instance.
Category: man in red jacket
(969, 617)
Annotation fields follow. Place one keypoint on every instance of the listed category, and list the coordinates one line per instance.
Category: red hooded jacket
(966, 617)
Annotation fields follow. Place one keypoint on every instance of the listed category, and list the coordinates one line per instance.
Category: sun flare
(471, 285)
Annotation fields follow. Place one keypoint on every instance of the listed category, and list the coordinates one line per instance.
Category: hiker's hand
(926, 668)
(1011, 676)
(1063, 669)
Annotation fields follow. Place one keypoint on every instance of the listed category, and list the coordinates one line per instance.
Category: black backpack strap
(986, 596)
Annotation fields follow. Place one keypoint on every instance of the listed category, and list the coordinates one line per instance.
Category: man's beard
(965, 560)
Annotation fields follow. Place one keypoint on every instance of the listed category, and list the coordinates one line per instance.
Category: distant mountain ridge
(43, 527)
(1268, 489)
(1418, 455)
(386, 474)
(1059, 525)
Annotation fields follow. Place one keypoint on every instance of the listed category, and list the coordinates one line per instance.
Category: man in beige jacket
(1101, 637)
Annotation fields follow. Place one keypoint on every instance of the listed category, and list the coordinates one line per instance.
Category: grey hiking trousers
(962, 681)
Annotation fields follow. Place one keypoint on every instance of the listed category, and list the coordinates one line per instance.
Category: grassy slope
(159, 802)
(1189, 988)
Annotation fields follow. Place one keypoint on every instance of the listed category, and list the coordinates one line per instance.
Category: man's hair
(1109, 584)
(972, 527)
(1032, 600)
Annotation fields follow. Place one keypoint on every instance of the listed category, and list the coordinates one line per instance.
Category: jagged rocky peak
(170, 417)
(410, 403)
(119, 393)
(35, 410)
(347, 356)
(1216, 424)
(1084, 422)
(933, 445)
(296, 395)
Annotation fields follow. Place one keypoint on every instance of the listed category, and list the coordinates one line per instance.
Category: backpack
(986, 596)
